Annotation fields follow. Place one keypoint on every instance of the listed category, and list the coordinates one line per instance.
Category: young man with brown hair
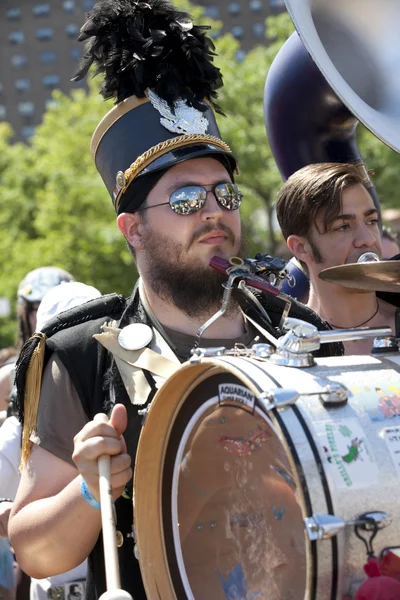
(328, 218)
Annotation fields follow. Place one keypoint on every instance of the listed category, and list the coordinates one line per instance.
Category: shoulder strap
(31, 361)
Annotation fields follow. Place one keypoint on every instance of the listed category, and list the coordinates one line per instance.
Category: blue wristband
(88, 496)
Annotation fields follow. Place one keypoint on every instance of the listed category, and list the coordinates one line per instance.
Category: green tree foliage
(385, 163)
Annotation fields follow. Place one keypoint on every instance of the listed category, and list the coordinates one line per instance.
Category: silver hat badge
(186, 119)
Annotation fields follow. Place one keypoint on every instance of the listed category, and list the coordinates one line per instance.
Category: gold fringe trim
(162, 148)
(32, 395)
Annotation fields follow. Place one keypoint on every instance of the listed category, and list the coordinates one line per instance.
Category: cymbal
(383, 276)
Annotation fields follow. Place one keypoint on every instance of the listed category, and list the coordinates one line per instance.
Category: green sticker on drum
(346, 453)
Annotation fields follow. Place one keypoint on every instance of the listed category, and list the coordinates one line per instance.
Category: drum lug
(385, 345)
(278, 398)
(323, 527)
(334, 394)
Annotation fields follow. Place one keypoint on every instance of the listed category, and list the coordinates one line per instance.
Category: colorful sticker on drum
(347, 453)
(381, 402)
(391, 435)
(229, 392)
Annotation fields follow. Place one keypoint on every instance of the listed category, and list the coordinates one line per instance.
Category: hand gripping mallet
(113, 580)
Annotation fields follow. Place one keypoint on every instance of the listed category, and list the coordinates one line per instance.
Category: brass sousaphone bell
(341, 67)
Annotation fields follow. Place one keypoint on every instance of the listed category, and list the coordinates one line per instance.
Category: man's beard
(191, 286)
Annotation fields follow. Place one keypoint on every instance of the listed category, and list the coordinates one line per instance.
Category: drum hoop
(149, 467)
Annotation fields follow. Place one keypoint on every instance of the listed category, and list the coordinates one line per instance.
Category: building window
(211, 11)
(40, 10)
(259, 30)
(51, 103)
(26, 109)
(48, 58)
(75, 54)
(88, 4)
(44, 33)
(22, 85)
(72, 30)
(51, 81)
(238, 32)
(255, 5)
(16, 37)
(3, 112)
(27, 132)
(69, 6)
(13, 14)
(234, 8)
(240, 55)
(19, 61)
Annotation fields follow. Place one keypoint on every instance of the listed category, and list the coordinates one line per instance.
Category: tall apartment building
(244, 19)
(39, 51)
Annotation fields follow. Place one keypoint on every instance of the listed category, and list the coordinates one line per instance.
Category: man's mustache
(209, 228)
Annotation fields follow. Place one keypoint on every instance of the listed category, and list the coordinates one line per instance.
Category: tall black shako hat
(159, 68)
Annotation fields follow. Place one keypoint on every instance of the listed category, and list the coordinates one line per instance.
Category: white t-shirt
(10, 457)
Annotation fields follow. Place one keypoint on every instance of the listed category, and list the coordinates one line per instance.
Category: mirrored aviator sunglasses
(191, 198)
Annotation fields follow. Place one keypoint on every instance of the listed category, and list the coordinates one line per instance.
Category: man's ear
(300, 248)
(131, 227)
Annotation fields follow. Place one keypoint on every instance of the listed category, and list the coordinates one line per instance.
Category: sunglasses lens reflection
(191, 198)
(188, 199)
(229, 195)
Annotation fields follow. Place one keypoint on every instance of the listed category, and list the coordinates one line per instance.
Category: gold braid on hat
(163, 148)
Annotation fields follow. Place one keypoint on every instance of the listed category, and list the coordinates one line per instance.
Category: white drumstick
(113, 580)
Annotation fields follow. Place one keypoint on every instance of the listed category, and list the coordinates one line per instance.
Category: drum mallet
(113, 580)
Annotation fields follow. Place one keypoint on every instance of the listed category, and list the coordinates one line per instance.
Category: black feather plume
(139, 45)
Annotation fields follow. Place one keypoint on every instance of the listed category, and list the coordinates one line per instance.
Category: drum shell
(339, 561)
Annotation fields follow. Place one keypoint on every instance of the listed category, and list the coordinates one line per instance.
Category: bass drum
(229, 491)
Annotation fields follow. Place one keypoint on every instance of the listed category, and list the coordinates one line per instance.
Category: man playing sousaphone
(160, 149)
(328, 218)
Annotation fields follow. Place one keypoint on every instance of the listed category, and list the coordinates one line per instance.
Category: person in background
(58, 299)
(30, 292)
(328, 218)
